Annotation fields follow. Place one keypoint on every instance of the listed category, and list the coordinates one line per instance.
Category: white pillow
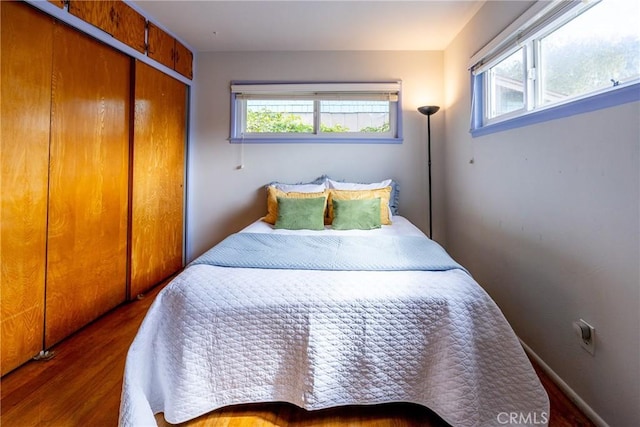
(301, 188)
(336, 185)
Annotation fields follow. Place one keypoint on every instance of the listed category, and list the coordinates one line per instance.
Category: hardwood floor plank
(81, 386)
(287, 415)
(65, 389)
(564, 413)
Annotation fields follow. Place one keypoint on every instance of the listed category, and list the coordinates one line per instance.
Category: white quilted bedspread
(217, 336)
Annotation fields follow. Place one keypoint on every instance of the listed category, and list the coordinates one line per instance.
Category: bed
(328, 318)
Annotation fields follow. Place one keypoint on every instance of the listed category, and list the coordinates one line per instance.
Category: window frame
(315, 91)
(489, 101)
(535, 24)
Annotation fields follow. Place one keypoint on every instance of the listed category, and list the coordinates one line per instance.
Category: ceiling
(268, 25)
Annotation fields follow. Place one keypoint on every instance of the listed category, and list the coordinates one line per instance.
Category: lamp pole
(429, 110)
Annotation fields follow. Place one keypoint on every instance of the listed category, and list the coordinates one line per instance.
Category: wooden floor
(81, 386)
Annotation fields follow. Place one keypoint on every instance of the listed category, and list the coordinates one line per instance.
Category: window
(506, 83)
(316, 112)
(560, 58)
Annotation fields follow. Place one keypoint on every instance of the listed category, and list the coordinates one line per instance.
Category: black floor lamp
(429, 110)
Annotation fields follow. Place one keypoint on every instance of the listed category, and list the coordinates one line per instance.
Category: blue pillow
(319, 180)
(394, 198)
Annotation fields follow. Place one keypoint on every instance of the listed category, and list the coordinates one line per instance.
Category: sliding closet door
(26, 39)
(158, 177)
(88, 190)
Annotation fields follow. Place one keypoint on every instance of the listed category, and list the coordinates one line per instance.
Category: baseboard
(572, 395)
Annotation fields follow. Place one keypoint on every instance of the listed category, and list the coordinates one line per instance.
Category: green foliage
(591, 64)
(267, 121)
(273, 122)
(377, 129)
(335, 128)
(512, 67)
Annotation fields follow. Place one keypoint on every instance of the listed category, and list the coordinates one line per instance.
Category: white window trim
(384, 90)
(532, 25)
(489, 98)
(525, 27)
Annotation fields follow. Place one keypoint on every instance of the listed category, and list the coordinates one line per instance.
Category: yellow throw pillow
(383, 193)
(272, 201)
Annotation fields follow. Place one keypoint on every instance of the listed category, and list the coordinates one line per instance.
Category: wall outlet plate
(589, 342)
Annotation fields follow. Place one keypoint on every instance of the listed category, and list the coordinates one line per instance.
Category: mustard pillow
(383, 193)
(272, 201)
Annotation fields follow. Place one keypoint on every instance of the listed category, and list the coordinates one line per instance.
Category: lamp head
(428, 110)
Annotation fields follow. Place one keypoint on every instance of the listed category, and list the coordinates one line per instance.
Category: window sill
(620, 96)
(314, 140)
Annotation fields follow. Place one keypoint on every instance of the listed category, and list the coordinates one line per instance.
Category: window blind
(385, 91)
(524, 28)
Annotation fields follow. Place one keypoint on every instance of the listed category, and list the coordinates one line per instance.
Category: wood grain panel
(101, 13)
(287, 415)
(158, 177)
(88, 190)
(115, 18)
(129, 26)
(161, 46)
(183, 60)
(26, 46)
(59, 3)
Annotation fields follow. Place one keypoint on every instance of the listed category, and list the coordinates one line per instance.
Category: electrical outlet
(586, 334)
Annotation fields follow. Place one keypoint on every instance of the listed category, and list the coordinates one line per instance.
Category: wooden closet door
(158, 177)
(26, 39)
(88, 190)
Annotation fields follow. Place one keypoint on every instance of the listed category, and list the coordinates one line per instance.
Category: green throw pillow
(299, 214)
(361, 214)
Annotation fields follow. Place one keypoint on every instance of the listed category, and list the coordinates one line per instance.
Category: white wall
(547, 220)
(223, 199)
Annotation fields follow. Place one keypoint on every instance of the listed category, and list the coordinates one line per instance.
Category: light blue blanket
(377, 253)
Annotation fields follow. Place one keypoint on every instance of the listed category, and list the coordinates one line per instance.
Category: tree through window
(352, 112)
